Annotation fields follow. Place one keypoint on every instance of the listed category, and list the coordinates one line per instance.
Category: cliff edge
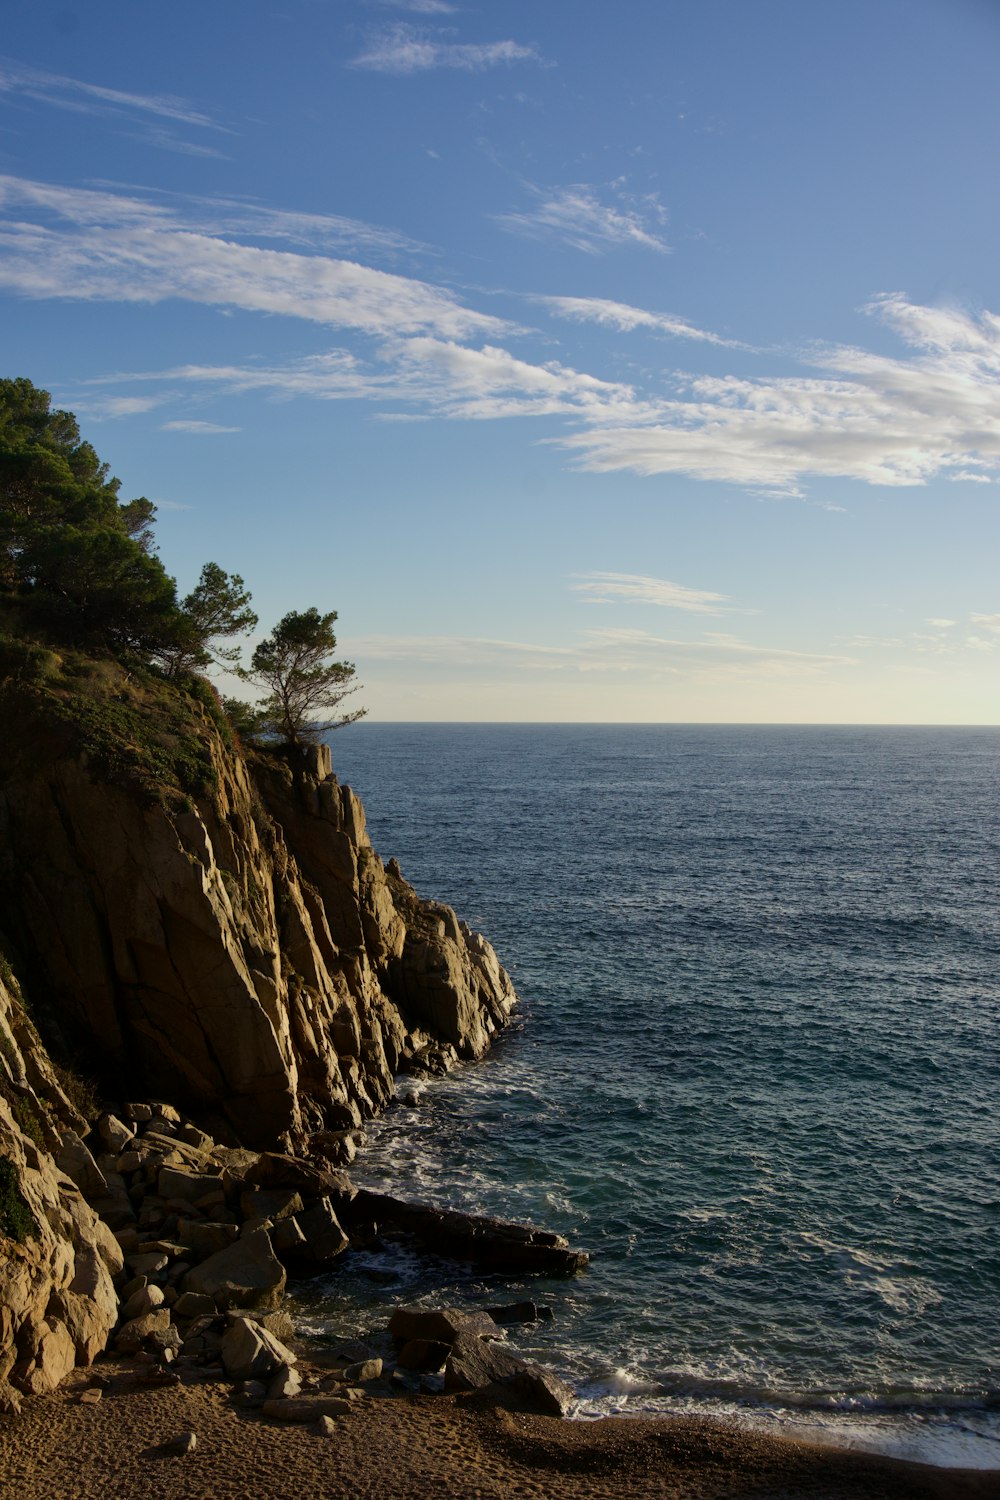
(234, 944)
(196, 923)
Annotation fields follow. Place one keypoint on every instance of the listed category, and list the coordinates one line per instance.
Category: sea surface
(754, 1072)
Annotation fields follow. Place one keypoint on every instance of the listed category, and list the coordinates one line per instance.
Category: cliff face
(240, 950)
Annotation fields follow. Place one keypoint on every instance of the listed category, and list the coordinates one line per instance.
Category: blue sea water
(754, 1072)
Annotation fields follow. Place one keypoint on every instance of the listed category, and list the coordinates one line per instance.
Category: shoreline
(412, 1446)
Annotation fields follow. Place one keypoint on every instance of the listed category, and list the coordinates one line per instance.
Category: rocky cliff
(198, 925)
(57, 1259)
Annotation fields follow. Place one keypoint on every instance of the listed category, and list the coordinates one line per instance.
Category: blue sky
(594, 363)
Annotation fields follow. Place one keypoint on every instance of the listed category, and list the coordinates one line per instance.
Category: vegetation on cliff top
(80, 581)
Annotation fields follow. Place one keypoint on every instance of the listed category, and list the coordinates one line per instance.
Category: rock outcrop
(240, 948)
(215, 928)
(58, 1261)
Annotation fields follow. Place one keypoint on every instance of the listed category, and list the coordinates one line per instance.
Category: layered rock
(240, 950)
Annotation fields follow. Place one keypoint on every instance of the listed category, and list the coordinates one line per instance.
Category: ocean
(754, 1072)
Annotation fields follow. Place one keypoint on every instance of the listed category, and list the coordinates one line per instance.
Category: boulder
(189, 1187)
(249, 1352)
(271, 1203)
(473, 1363)
(194, 1305)
(74, 1158)
(51, 1360)
(133, 1334)
(114, 1134)
(205, 1238)
(442, 1325)
(545, 1391)
(422, 1354)
(146, 1299)
(520, 1312)
(322, 1232)
(246, 1274)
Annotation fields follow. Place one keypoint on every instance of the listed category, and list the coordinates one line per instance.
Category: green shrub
(16, 1222)
(29, 1121)
(25, 660)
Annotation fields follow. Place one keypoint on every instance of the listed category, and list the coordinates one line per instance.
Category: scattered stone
(325, 1427)
(364, 1370)
(138, 1112)
(182, 1444)
(286, 1383)
(90, 1396)
(306, 1408)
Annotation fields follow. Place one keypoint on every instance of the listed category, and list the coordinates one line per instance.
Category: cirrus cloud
(406, 49)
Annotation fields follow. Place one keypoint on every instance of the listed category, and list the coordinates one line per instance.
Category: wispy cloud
(434, 376)
(932, 411)
(987, 622)
(108, 408)
(636, 588)
(609, 651)
(127, 249)
(939, 623)
(576, 215)
(880, 420)
(17, 79)
(419, 7)
(406, 49)
(105, 206)
(193, 425)
(625, 319)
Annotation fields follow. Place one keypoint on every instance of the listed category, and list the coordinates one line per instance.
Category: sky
(631, 363)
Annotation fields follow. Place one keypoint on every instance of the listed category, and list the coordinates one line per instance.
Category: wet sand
(399, 1447)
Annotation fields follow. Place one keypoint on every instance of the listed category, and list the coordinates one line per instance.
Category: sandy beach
(410, 1447)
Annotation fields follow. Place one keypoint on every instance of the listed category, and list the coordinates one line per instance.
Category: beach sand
(403, 1447)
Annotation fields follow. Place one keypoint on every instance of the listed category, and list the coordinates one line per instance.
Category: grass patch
(81, 1092)
(137, 729)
